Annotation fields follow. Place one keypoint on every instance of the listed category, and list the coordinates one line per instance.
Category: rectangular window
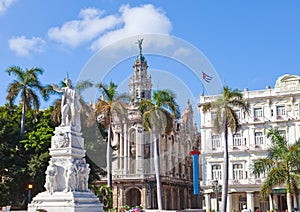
(280, 110)
(216, 172)
(216, 141)
(237, 140)
(213, 116)
(259, 139)
(258, 112)
(238, 171)
(238, 114)
(282, 133)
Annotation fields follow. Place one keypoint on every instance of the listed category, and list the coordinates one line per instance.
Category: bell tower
(140, 81)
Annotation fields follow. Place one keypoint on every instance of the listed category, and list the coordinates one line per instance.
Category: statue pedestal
(66, 177)
(65, 202)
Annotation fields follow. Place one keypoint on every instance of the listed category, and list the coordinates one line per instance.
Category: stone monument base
(66, 202)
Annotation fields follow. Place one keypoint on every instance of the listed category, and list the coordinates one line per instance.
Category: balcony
(248, 181)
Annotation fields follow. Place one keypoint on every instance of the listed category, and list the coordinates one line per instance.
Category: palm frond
(262, 166)
(84, 84)
(17, 71)
(276, 177)
(233, 120)
(206, 107)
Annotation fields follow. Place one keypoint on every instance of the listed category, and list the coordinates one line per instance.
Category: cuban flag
(206, 77)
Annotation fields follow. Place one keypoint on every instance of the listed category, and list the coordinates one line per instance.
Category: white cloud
(23, 46)
(182, 52)
(87, 27)
(145, 19)
(93, 25)
(4, 5)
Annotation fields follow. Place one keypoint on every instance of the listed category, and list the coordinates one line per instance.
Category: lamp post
(216, 188)
(29, 187)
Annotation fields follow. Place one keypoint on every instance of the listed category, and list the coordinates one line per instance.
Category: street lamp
(29, 187)
(216, 188)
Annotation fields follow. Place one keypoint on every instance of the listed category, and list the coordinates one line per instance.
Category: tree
(13, 158)
(37, 144)
(26, 84)
(157, 117)
(226, 119)
(111, 103)
(281, 166)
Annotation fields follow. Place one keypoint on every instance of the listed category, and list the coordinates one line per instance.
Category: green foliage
(23, 161)
(104, 193)
(13, 158)
(131, 209)
(281, 166)
(39, 139)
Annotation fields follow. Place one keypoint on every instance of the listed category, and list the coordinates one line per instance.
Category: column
(172, 198)
(115, 196)
(229, 202)
(296, 203)
(207, 202)
(121, 150)
(144, 199)
(125, 149)
(139, 149)
(271, 202)
(250, 200)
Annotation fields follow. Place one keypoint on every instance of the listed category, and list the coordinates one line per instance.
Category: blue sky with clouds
(250, 43)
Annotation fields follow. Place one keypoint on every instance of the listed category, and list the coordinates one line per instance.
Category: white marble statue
(83, 173)
(51, 174)
(70, 104)
(70, 175)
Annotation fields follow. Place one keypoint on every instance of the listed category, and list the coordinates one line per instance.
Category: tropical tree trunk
(23, 119)
(157, 172)
(108, 159)
(289, 196)
(289, 202)
(225, 172)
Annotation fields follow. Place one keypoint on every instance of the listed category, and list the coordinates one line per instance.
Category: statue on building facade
(140, 42)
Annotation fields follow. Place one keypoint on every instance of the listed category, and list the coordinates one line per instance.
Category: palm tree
(281, 166)
(111, 103)
(226, 119)
(26, 84)
(157, 117)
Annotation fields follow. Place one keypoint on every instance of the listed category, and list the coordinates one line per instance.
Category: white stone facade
(278, 107)
(133, 167)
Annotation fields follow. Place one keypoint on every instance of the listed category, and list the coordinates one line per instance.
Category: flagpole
(202, 84)
(202, 87)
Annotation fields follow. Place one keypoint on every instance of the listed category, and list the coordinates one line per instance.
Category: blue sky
(250, 43)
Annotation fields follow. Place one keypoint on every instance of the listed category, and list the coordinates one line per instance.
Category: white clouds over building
(93, 26)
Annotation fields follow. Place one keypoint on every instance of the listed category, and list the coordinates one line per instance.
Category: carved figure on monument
(51, 173)
(70, 177)
(61, 140)
(83, 173)
(70, 106)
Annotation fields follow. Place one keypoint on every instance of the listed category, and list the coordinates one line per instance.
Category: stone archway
(133, 197)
